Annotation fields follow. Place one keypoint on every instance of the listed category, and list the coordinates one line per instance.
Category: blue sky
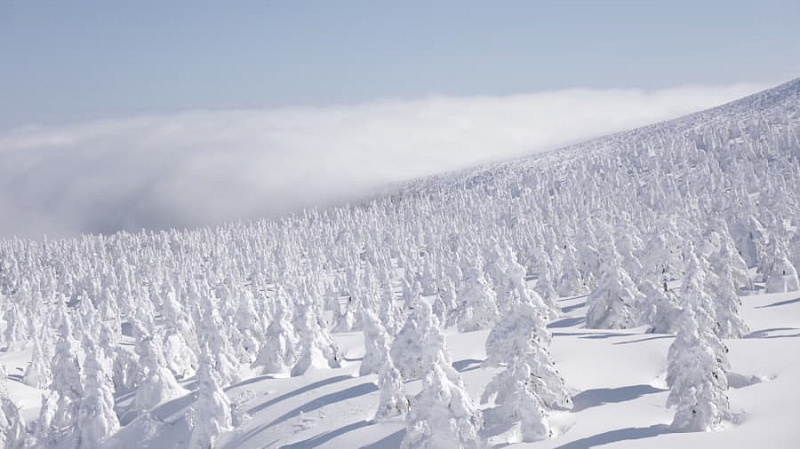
(66, 62)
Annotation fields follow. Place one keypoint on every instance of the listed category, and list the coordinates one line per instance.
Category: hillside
(592, 281)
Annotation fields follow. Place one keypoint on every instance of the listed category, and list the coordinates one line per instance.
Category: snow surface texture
(563, 266)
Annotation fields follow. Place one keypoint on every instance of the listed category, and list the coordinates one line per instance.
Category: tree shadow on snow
(765, 333)
(603, 336)
(467, 365)
(251, 380)
(568, 309)
(310, 406)
(655, 337)
(593, 335)
(322, 401)
(494, 424)
(296, 392)
(566, 322)
(390, 441)
(327, 436)
(163, 412)
(780, 303)
(736, 380)
(613, 436)
(600, 396)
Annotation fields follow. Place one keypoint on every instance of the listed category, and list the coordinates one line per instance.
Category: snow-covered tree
(248, 328)
(157, 384)
(520, 342)
(66, 384)
(376, 345)
(571, 283)
(783, 275)
(697, 359)
(96, 417)
(408, 347)
(12, 426)
(544, 283)
(661, 257)
(442, 415)
(477, 307)
(279, 351)
(514, 390)
(37, 373)
(316, 347)
(393, 401)
(697, 379)
(211, 413)
(179, 329)
(726, 308)
(728, 259)
(211, 332)
(660, 307)
(615, 302)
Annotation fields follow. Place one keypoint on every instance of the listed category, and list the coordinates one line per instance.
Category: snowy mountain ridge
(784, 99)
(629, 288)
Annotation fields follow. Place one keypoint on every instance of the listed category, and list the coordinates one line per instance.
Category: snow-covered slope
(292, 332)
(617, 378)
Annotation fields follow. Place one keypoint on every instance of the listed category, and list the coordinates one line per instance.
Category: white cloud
(198, 168)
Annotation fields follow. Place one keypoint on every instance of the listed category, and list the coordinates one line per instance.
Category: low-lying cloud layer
(199, 168)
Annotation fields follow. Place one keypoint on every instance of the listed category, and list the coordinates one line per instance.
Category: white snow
(616, 378)
(222, 336)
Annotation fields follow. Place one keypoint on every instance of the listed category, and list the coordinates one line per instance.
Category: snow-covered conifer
(544, 285)
(660, 307)
(248, 326)
(514, 391)
(376, 345)
(390, 313)
(697, 379)
(66, 381)
(178, 353)
(407, 349)
(442, 415)
(615, 302)
(783, 275)
(37, 373)
(211, 413)
(521, 336)
(345, 316)
(15, 331)
(477, 307)
(697, 359)
(661, 257)
(316, 347)
(393, 401)
(726, 306)
(427, 278)
(571, 282)
(727, 256)
(12, 426)
(157, 383)
(210, 332)
(125, 370)
(96, 417)
(279, 351)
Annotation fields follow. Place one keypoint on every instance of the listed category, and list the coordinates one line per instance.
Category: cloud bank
(200, 168)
